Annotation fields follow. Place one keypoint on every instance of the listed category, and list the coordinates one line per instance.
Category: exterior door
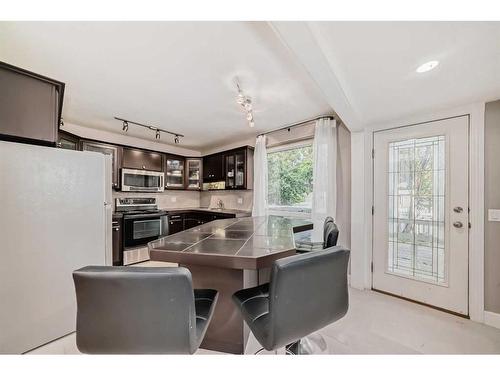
(420, 221)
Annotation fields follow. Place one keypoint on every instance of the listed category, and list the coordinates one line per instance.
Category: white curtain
(260, 177)
(324, 197)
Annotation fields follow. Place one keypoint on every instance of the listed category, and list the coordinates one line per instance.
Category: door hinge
(373, 153)
(373, 210)
(470, 225)
(371, 266)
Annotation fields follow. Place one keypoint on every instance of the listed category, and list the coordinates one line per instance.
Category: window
(290, 172)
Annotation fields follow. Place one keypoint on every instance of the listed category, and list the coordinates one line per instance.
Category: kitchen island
(229, 255)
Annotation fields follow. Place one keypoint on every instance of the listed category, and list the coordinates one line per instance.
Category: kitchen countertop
(240, 243)
(238, 213)
(177, 210)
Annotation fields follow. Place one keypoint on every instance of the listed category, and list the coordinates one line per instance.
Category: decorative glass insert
(416, 209)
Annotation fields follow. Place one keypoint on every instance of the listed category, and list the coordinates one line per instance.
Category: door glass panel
(416, 247)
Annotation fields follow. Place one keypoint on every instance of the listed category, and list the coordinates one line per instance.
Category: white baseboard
(492, 319)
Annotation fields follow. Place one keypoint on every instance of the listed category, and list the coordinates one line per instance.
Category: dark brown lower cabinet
(190, 219)
(117, 240)
(175, 224)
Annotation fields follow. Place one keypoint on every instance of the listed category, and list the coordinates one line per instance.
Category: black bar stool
(306, 293)
(140, 310)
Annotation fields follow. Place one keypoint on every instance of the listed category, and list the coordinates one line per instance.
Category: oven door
(143, 181)
(141, 229)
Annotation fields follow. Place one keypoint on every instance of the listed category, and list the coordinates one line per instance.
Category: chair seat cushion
(254, 306)
(204, 302)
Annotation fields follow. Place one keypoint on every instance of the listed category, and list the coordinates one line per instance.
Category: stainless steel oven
(142, 181)
(139, 229)
(142, 222)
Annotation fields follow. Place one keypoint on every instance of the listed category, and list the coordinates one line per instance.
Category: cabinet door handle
(143, 167)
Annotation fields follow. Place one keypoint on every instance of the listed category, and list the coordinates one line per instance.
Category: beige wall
(344, 185)
(492, 201)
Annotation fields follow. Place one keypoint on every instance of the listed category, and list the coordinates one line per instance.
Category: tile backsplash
(231, 199)
(237, 200)
(167, 199)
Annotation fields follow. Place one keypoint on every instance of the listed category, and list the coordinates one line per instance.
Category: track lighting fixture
(246, 103)
(154, 128)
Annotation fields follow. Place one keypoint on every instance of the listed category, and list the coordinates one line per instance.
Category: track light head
(125, 126)
(176, 139)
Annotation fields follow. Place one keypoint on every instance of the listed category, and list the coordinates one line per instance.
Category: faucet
(220, 204)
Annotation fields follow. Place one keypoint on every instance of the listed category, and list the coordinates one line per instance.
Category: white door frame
(362, 201)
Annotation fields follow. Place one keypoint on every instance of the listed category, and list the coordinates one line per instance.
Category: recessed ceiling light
(427, 66)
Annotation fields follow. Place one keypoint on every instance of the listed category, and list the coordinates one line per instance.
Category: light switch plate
(173, 199)
(494, 214)
(240, 200)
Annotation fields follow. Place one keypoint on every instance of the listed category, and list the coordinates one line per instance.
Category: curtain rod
(331, 117)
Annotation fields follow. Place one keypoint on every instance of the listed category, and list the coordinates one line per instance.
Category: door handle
(458, 224)
(458, 209)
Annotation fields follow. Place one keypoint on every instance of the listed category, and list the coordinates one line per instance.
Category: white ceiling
(176, 75)
(375, 64)
(179, 75)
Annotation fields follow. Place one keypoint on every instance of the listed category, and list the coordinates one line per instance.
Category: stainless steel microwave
(141, 180)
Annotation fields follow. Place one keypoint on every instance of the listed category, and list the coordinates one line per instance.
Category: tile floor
(379, 324)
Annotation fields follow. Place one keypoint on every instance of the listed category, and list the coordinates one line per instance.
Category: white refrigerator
(55, 217)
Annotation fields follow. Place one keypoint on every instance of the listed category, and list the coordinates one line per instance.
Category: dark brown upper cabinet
(107, 149)
(141, 159)
(213, 168)
(193, 173)
(30, 106)
(174, 172)
(239, 168)
(68, 141)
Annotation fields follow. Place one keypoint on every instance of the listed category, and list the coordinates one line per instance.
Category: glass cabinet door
(174, 174)
(67, 143)
(106, 150)
(193, 174)
(239, 179)
(230, 171)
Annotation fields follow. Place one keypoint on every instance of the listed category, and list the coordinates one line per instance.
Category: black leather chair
(140, 310)
(330, 233)
(306, 292)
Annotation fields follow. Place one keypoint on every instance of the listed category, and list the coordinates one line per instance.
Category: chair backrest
(331, 234)
(134, 310)
(307, 292)
(328, 220)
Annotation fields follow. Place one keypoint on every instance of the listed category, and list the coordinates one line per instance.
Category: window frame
(289, 210)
